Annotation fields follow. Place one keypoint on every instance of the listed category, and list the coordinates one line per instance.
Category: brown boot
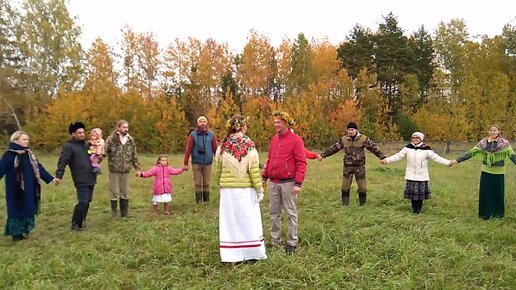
(166, 209)
(154, 209)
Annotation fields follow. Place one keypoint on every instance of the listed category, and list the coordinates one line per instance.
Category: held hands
(185, 167)
(319, 157)
(138, 173)
(383, 161)
(453, 163)
(56, 181)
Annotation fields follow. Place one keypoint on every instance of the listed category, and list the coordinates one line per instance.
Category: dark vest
(202, 151)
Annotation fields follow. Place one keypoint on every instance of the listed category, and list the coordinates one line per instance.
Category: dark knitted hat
(75, 126)
(352, 125)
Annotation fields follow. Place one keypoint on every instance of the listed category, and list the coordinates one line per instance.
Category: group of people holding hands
(238, 175)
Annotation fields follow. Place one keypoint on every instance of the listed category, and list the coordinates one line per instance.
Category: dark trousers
(80, 211)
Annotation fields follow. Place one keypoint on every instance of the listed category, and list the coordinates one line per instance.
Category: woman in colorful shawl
(238, 176)
(22, 185)
(493, 150)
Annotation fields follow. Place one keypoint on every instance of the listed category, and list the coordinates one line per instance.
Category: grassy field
(379, 246)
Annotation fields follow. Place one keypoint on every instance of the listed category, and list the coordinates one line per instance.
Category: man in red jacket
(285, 170)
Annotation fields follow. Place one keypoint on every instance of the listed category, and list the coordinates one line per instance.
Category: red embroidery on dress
(238, 148)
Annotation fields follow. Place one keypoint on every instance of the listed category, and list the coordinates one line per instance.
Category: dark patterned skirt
(19, 226)
(417, 190)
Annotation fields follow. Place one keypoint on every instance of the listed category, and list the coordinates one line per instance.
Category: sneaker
(291, 250)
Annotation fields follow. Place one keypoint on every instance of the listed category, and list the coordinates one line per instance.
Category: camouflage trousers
(360, 177)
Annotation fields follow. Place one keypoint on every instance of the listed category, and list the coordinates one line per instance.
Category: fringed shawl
(239, 155)
(491, 155)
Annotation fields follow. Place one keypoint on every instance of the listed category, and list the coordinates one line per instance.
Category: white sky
(231, 20)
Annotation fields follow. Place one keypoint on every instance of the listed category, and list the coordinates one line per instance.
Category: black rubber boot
(114, 204)
(362, 198)
(124, 207)
(345, 198)
(78, 216)
(198, 197)
(206, 196)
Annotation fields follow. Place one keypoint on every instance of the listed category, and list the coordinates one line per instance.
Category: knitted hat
(419, 135)
(352, 125)
(75, 126)
(202, 118)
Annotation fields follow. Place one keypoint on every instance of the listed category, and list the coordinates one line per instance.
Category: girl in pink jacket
(162, 192)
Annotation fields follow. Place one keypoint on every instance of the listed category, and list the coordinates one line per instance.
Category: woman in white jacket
(417, 153)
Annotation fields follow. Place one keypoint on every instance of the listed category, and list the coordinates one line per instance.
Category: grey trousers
(281, 197)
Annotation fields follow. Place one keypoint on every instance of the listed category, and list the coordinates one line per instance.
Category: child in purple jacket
(162, 192)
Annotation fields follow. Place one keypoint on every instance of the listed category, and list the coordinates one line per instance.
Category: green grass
(379, 246)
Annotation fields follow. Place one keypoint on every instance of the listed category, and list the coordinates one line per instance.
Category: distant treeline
(445, 83)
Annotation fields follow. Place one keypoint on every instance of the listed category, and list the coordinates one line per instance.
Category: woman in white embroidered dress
(238, 176)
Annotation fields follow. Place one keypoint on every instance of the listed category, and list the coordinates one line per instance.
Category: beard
(202, 128)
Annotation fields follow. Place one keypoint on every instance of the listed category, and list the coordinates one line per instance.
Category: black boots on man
(345, 198)
(362, 198)
(201, 196)
(79, 214)
(114, 204)
(124, 207)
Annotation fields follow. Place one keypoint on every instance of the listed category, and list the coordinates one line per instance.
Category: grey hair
(16, 135)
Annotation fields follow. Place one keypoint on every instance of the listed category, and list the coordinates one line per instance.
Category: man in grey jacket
(74, 154)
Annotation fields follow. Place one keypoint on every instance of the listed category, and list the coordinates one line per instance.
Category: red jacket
(162, 182)
(286, 159)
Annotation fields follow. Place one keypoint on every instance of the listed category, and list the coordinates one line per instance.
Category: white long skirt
(240, 226)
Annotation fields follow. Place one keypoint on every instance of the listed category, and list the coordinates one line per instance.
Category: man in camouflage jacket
(354, 160)
(122, 156)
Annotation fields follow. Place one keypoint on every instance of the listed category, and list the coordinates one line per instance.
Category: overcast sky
(231, 20)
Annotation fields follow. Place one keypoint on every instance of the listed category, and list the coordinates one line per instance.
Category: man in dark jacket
(354, 161)
(74, 153)
(285, 169)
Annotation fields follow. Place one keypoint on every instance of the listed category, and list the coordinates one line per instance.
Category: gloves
(259, 196)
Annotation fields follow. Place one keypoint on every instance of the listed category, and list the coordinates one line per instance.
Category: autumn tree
(48, 40)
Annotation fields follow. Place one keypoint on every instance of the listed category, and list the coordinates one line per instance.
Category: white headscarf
(419, 135)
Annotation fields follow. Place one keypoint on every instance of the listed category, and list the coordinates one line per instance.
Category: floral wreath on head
(237, 122)
(285, 117)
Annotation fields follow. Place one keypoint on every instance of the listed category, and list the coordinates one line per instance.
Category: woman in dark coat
(22, 185)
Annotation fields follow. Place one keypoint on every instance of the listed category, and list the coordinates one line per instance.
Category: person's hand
(383, 162)
(56, 181)
(296, 190)
(185, 167)
(319, 157)
(138, 173)
(453, 163)
(264, 184)
(259, 196)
